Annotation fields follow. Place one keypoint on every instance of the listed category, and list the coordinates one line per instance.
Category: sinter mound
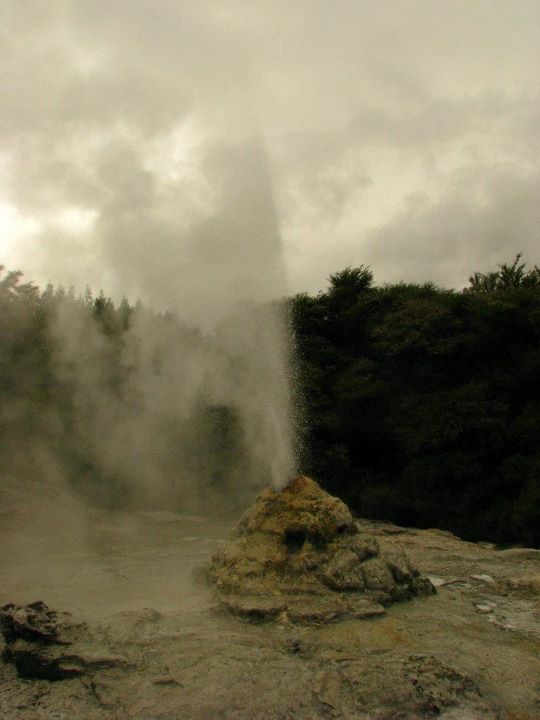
(297, 555)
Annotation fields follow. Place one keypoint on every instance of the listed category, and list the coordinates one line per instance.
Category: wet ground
(119, 562)
(471, 651)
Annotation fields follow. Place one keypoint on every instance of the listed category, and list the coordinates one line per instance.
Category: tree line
(100, 396)
(418, 404)
(423, 404)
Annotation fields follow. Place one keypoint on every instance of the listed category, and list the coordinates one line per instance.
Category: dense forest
(419, 405)
(423, 404)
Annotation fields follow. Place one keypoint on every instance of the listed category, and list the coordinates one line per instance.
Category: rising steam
(146, 175)
(237, 365)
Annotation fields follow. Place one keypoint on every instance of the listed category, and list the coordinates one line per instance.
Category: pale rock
(297, 556)
(483, 578)
(484, 608)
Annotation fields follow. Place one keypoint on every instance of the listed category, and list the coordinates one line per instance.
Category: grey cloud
(328, 85)
(481, 222)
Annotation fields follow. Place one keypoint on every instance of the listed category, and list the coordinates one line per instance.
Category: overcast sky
(138, 136)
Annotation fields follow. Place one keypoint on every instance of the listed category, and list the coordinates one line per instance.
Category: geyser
(148, 177)
(297, 555)
(181, 401)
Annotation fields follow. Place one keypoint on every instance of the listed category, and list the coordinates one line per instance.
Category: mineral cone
(297, 555)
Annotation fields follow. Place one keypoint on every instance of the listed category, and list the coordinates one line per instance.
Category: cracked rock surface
(298, 555)
(438, 657)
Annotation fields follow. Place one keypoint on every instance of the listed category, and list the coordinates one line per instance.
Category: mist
(208, 159)
(147, 176)
(187, 406)
(251, 246)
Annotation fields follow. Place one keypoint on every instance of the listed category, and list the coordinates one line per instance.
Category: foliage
(423, 404)
(507, 276)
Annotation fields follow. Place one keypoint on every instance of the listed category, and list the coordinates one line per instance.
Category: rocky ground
(297, 555)
(153, 646)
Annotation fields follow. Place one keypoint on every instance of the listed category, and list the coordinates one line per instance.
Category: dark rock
(41, 662)
(30, 622)
(167, 680)
(48, 645)
(422, 586)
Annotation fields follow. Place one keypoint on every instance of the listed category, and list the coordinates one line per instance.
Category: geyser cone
(297, 555)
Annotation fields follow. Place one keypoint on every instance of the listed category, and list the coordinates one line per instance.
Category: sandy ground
(472, 651)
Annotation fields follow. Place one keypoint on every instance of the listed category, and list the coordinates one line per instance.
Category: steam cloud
(146, 176)
(149, 149)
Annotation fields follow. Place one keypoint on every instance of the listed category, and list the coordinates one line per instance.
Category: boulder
(45, 644)
(34, 622)
(297, 556)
